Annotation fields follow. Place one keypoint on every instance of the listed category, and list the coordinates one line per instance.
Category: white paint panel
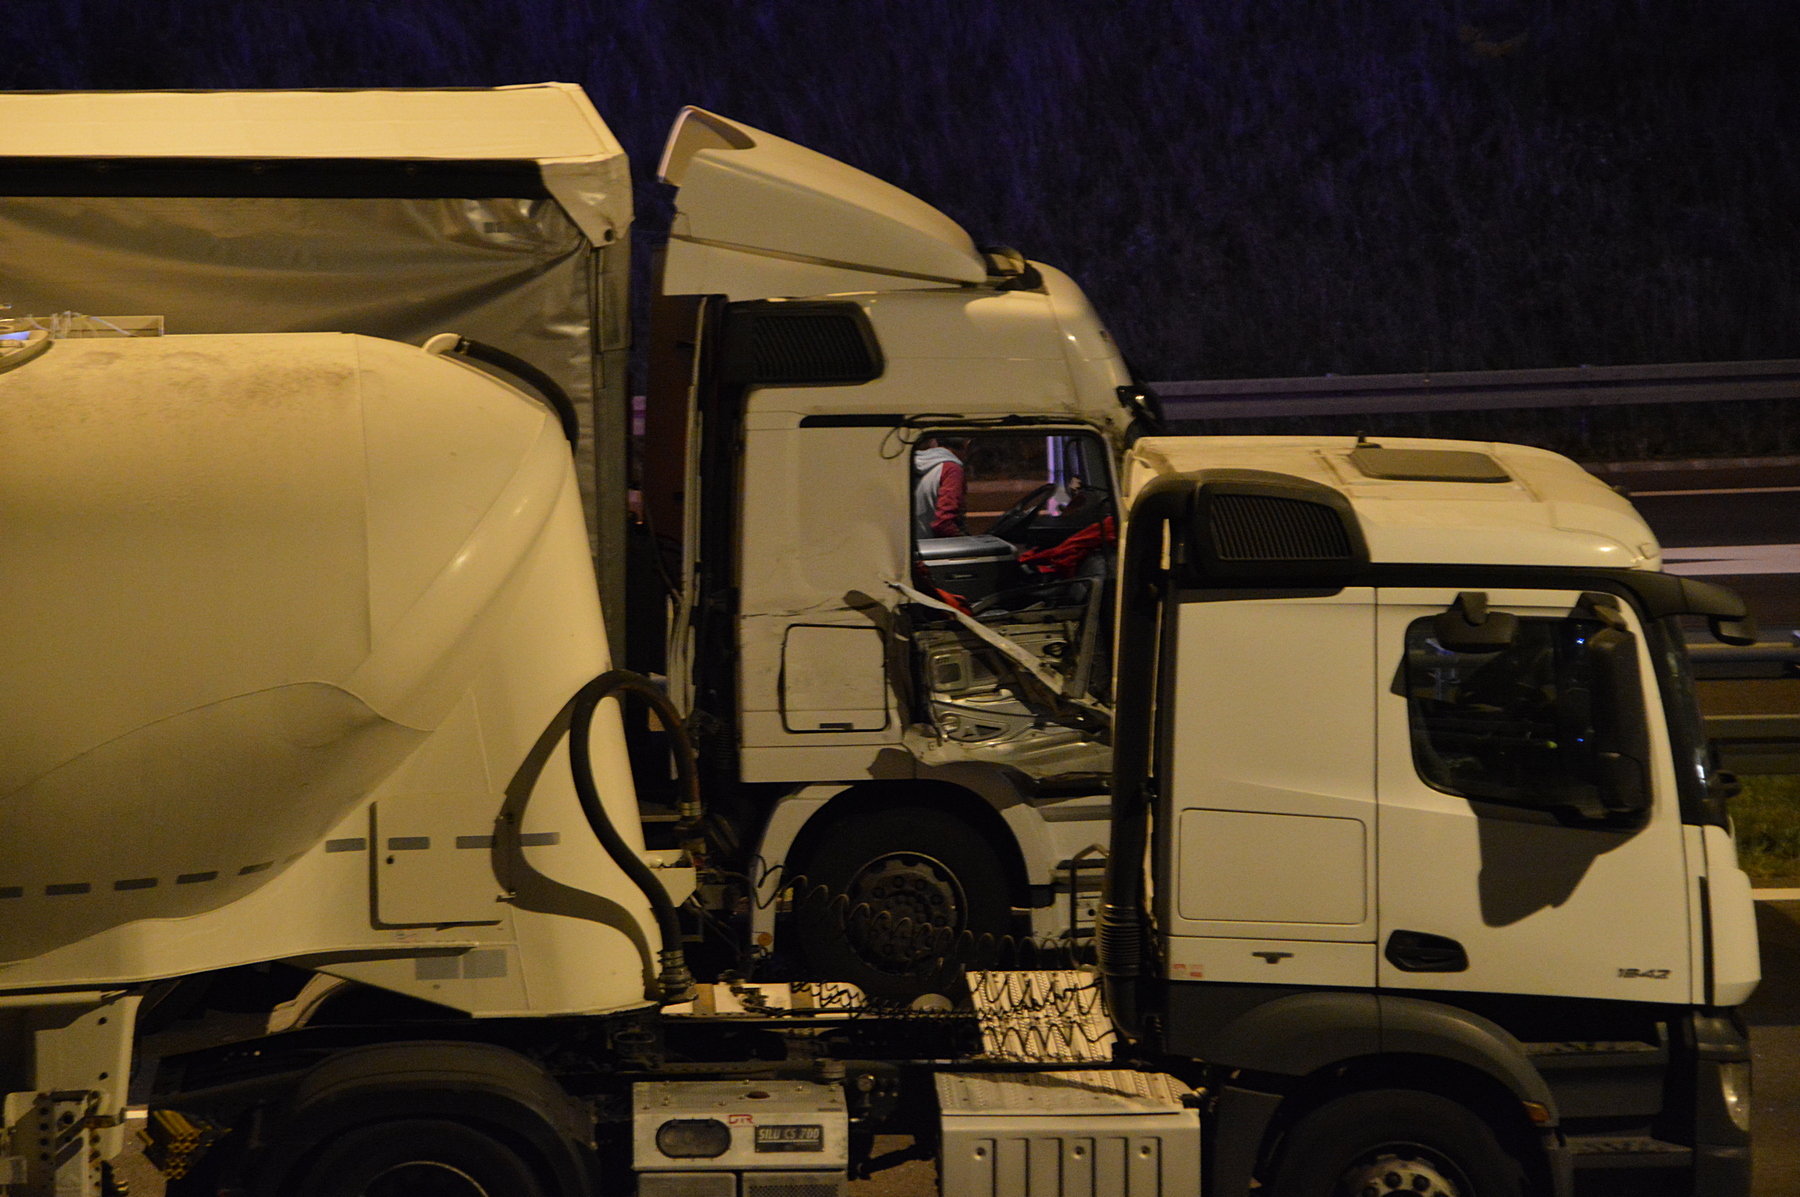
(1737, 962)
(1271, 769)
(1225, 858)
(821, 758)
(825, 513)
(1271, 961)
(427, 871)
(833, 679)
(757, 190)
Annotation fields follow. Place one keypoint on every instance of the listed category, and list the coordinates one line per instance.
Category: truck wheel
(924, 896)
(419, 1157)
(1394, 1141)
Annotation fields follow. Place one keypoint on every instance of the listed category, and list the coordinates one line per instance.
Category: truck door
(1512, 859)
(822, 527)
(1269, 848)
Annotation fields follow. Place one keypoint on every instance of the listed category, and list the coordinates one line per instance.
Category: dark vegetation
(1246, 187)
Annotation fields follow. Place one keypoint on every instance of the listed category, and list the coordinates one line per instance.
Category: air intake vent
(1267, 528)
(793, 344)
(1264, 530)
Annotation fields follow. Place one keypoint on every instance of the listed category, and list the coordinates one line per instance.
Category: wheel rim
(424, 1178)
(1403, 1168)
(899, 903)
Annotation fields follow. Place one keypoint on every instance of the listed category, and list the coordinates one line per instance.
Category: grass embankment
(1767, 818)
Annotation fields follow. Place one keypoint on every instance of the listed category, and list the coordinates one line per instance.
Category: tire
(890, 866)
(419, 1157)
(1397, 1141)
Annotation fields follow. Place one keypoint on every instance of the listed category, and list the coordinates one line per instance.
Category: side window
(1515, 725)
(1016, 531)
(998, 516)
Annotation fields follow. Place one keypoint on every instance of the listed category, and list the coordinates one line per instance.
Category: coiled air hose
(674, 981)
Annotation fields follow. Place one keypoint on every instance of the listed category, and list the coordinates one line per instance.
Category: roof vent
(1426, 465)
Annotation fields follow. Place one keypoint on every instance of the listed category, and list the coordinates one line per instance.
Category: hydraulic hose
(674, 980)
(1143, 585)
(559, 400)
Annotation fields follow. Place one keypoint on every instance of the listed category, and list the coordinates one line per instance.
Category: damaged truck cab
(914, 716)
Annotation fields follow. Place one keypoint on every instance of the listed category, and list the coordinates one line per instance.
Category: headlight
(1734, 1085)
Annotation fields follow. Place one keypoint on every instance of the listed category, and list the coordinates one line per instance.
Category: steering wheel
(1014, 519)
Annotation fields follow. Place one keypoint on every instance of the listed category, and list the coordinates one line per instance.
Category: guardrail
(1752, 745)
(1730, 662)
(1755, 745)
(1477, 390)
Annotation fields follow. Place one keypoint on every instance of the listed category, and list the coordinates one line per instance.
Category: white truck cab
(1407, 732)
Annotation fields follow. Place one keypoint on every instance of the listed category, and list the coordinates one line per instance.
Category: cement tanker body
(253, 582)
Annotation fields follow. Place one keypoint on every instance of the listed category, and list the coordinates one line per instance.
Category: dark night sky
(1246, 187)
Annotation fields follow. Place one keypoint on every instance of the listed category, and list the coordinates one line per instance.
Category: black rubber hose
(559, 400)
(1142, 588)
(674, 980)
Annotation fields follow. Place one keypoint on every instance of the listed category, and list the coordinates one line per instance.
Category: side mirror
(1469, 627)
(1727, 617)
(1726, 630)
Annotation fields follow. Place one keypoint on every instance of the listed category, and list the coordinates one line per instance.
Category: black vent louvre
(1267, 528)
(808, 347)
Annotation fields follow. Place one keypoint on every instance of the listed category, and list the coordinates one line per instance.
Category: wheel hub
(1394, 1175)
(895, 890)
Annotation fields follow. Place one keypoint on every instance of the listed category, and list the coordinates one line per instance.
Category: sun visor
(339, 141)
(746, 190)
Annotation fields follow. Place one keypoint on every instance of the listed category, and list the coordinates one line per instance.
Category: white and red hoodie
(939, 494)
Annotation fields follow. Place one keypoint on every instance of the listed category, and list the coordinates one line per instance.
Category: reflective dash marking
(539, 839)
(408, 843)
(192, 878)
(136, 883)
(255, 868)
(357, 844)
(474, 841)
(12, 891)
(73, 887)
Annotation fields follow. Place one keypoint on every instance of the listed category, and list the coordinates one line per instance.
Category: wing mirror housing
(1727, 618)
(1469, 627)
(1739, 632)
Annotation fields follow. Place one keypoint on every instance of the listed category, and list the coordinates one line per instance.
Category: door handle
(1418, 952)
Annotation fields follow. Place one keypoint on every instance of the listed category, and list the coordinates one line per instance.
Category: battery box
(1105, 1133)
